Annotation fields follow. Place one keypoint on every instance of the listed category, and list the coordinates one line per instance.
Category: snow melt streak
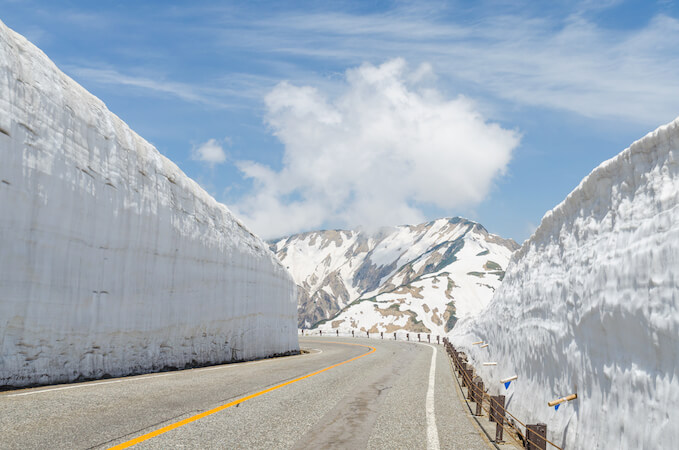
(112, 261)
(589, 305)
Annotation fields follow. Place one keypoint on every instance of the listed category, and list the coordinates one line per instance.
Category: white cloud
(210, 152)
(224, 94)
(564, 61)
(530, 228)
(372, 155)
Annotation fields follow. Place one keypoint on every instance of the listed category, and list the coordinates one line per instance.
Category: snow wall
(590, 305)
(113, 261)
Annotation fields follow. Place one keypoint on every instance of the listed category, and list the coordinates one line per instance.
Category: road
(379, 394)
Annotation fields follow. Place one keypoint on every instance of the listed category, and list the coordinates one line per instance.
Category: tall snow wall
(113, 261)
(590, 305)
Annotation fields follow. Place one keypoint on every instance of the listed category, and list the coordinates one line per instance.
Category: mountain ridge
(338, 268)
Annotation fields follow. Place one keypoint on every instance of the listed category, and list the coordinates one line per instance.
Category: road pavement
(379, 394)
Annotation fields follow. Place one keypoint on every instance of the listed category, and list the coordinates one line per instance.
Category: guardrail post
(478, 396)
(470, 389)
(429, 338)
(352, 333)
(438, 339)
(408, 336)
(536, 436)
(394, 336)
(338, 333)
(497, 414)
(368, 333)
(381, 334)
(418, 337)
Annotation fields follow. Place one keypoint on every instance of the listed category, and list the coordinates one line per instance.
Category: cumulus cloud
(210, 152)
(373, 154)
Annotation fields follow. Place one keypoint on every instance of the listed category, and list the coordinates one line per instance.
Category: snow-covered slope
(112, 261)
(418, 278)
(590, 305)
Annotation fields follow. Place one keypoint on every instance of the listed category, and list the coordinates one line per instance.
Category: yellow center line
(172, 426)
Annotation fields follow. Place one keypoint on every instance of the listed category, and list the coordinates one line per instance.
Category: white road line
(432, 431)
(86, 385)
(146, 377)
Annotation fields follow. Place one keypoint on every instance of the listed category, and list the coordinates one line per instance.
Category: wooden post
(352, 333)
(338, 333)
(394, 336)
(368, 333)
(429, 338)
(470, 384)
(536, 436)
(381, 334)
(463, 374)
(408, 336)
(497, 414)
(438, 339)
(478, 395)
(320, 332)
(418, 337)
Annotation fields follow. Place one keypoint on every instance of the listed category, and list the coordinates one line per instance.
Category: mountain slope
(420, 277)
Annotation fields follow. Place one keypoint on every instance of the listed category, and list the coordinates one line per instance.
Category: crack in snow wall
(113, 261)
(590, 304)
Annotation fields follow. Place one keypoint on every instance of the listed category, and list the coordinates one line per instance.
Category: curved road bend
(376, 401)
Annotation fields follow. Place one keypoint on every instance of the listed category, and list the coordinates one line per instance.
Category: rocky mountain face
(413, 277)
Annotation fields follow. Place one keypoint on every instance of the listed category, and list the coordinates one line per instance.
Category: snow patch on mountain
(113, 261)
(590, 305)
(418, 278)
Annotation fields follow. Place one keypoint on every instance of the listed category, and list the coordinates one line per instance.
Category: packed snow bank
(590, 304)
(112, 261)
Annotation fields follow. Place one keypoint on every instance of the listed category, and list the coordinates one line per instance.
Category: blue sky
(333, 115)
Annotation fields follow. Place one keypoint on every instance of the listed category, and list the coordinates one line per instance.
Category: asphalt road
(381, 399)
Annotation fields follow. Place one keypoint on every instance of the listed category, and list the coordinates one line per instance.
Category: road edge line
(432, 431)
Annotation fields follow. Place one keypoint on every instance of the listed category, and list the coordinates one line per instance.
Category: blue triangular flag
(507, 384)
(556, 407)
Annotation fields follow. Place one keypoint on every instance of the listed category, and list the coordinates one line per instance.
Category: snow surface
(428, 271)
(112, 261)
(590, 305)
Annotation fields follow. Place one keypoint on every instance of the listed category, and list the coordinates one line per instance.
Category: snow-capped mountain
(418, 278)
(590, 305)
